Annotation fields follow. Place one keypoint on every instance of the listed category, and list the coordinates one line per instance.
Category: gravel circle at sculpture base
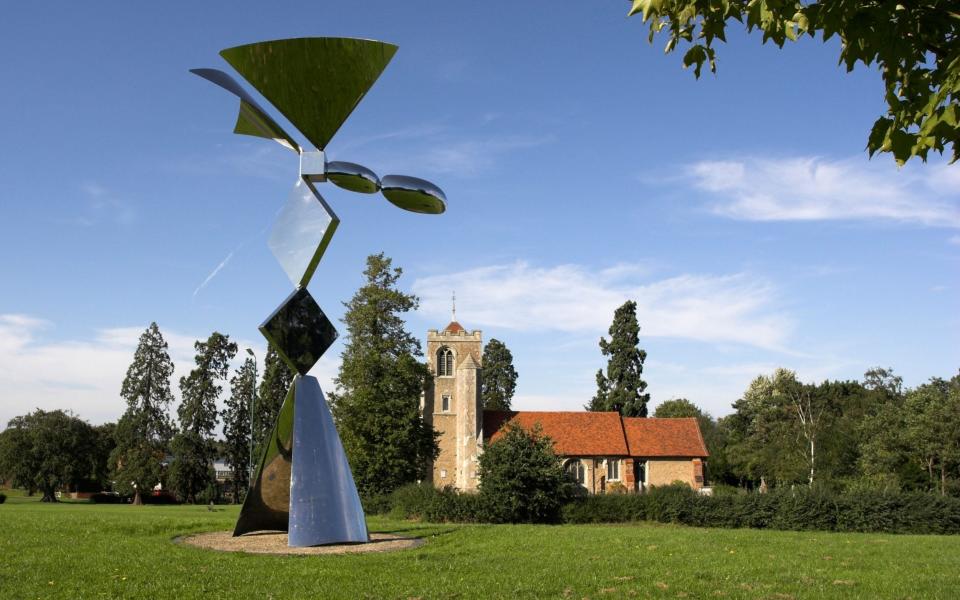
(276, 543)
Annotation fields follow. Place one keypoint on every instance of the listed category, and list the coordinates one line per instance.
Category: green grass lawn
(98, 551)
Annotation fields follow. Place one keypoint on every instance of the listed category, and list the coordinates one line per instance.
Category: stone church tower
(451, 404)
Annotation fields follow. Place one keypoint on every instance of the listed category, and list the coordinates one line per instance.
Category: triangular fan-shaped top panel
(314, 82)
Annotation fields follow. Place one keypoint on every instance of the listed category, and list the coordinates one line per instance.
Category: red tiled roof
(573, 433)
(454, 327)
(664, 437)
(605, 433)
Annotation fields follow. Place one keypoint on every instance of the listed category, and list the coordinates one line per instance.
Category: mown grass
(113, 551)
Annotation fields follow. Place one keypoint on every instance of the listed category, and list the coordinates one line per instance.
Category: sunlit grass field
(77, 550)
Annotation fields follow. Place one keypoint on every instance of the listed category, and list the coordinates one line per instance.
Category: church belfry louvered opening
(445, 362)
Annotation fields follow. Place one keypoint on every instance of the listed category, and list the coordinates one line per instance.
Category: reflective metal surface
(315, 82)
(299, 331)
(302, 232)
(303, 482)
(324, 504)
(313, 166)
(353, 177)
(267, 505)
(413, 194)
(252, 120)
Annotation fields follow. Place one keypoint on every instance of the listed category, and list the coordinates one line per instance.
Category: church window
(613, 470)
(443, 473)
(445, 362)
(575, 468)
(445, 403)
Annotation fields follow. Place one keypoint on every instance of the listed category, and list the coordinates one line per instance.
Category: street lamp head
(250, 352)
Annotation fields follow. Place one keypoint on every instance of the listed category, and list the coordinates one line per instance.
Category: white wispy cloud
(736, 308)
(815, 189)
(85, 375)
(213, 273)
(102, 205)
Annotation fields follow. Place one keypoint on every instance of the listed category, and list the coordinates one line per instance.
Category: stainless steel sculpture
(303, 482)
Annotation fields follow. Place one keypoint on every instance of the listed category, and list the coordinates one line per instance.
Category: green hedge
(797, 510)
(800, 509)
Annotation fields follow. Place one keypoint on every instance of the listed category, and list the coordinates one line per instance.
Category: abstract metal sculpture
(303, 482)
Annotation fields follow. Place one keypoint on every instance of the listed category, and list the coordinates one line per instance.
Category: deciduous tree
(48, 451)
(521, 478)
(914, 45)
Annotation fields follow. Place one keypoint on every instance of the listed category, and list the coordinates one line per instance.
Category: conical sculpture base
(303, 484)
(267, 505)
(324, 504)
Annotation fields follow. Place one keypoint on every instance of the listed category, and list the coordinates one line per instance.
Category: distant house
(602, 450)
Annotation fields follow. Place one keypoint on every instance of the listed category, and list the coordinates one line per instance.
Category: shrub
(800, 509)
(3, 498)
(615, 487)
(424, 502)
(521, 479)
(376, 504)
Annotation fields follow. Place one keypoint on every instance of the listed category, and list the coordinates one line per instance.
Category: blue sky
(582, 168)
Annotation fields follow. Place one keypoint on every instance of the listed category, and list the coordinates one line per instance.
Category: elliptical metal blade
(353, 177)
(413, 194)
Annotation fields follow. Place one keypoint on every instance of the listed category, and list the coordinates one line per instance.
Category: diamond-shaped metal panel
(299, 331)
(302, 232)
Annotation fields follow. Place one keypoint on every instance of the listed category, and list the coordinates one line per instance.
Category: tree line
(872, 434)
(375, 404)
(844, 435)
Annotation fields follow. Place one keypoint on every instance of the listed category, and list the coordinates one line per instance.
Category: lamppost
(253, 405)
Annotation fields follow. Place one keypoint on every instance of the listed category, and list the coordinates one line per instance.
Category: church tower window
(445, 403)
(445, 362)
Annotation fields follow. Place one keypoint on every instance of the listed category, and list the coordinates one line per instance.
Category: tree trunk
(813, 458)
(49, 496)
(943, 478)
(137, 500)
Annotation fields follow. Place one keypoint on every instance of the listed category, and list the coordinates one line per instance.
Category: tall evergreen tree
(143, 432)
(621, 388)
(377, 401)
(194, 448)
(236, 425)
(277, 378)
(499, 377)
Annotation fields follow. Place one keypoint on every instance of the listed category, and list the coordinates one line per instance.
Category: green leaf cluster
(499, 380)
(236, 425)
(621, 388)
(144, 431)
(194, 448)
(47, 451)
(521, 478)
(277, 379)
(377, 400)
(914, 45)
